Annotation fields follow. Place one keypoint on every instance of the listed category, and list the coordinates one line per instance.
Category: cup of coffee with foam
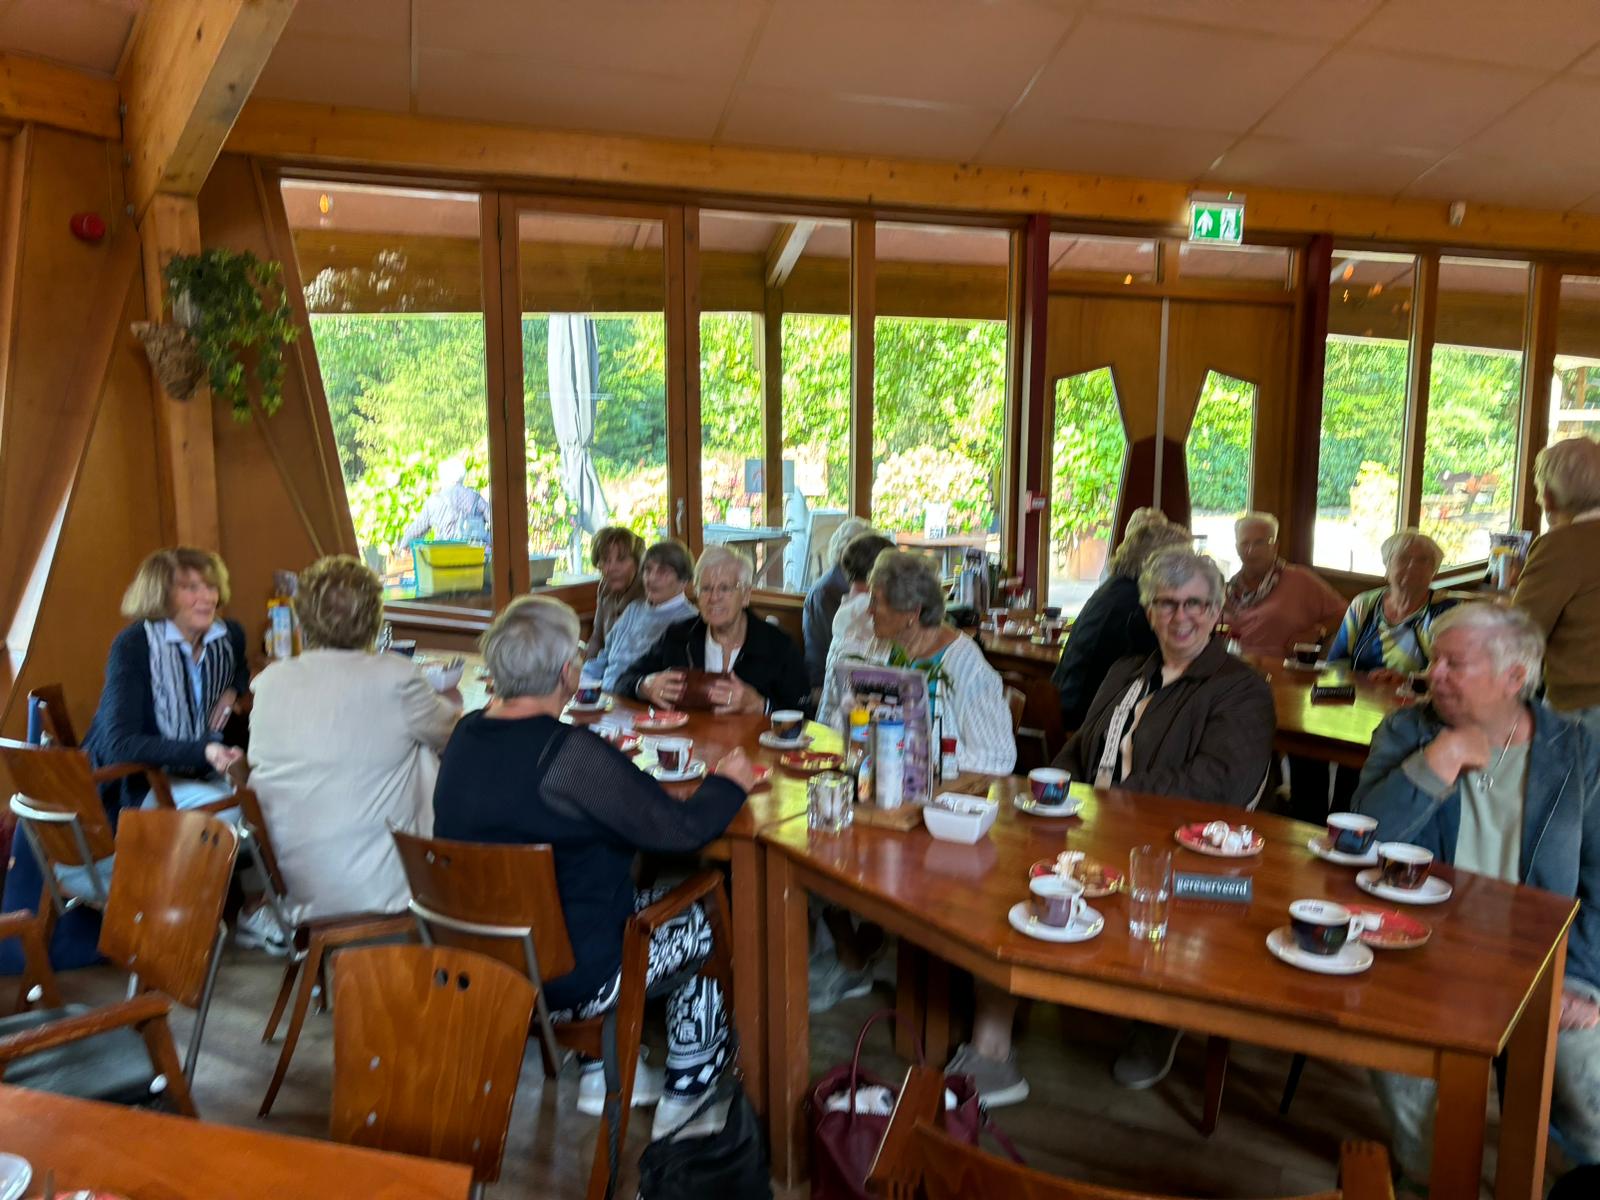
(1351, 833)
(1404, 866)
(1322, 927)
(1056, 900)
(1306, 654)
(1049, 786)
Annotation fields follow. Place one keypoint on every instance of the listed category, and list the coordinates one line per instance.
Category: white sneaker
(259, 929)
(647, 1083)
(673, 1113)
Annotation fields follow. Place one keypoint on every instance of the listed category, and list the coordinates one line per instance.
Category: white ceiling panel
(1558, 124)
(1302, 18)
(337, 70)
(1518, 183)
(763, 116)
(1321, 166)
(1545, 34)
(951, 51)
(1147, 74)
(384, 21)
(1103, 147)
(88, 34)
(508, 88)
(1368, 98)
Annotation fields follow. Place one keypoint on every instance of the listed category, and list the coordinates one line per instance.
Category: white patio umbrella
(574, 369)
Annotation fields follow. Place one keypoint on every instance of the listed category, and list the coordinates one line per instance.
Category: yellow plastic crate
(449, 567)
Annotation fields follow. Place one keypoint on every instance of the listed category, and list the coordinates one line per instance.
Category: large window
(1088, 450)
(774, 354)
(1474, 405)
(1575, 389)
(1363, 408)
(594, 374)
(1219, 455)
(392, 282)
(939, 385)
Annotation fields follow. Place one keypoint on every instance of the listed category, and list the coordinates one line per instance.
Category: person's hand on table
(736, 765)
(734, 695)
(222, 757)
(663, 689)
(1578, 1011)
(1457, 750)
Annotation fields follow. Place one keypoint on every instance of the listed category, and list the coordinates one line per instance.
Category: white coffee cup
(1057, 900)
(673, 754)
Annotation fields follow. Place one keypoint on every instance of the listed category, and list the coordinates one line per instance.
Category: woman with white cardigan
(344, 743)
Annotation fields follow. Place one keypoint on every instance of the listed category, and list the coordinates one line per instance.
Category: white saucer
(1319, 846)
(773, 742)
(1290, 664)
(695, 769)
(599, 705)
(1025, 803)
(1088, 925)
(15, 1175)
(1355, 958)
(1433, 890)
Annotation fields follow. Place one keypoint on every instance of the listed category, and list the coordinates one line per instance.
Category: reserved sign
(1231, 889)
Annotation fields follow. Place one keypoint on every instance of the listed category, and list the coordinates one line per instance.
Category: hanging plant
(231, 305)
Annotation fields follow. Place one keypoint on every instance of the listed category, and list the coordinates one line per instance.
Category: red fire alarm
(88, 227)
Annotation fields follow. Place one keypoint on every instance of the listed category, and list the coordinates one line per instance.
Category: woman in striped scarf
(172, 679)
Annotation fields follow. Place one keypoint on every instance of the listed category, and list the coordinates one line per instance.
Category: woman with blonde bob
(172, 679)
(344, 744)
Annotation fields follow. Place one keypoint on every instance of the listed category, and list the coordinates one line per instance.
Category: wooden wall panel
(1125, 335)
(281, 500)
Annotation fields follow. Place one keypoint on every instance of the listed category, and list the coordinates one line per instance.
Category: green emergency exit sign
(1216, 222)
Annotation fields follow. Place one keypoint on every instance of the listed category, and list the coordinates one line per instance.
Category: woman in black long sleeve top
(171, 679)
(513, 773)
(765, 667)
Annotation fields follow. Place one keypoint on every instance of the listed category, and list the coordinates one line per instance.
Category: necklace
(1486, 775)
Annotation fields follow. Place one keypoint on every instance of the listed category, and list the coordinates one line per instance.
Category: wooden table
(1488, 981)
(1336, 732)
(151, 1156)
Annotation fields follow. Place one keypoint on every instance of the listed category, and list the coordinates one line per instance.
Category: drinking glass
(1149, 891)
(828, 807)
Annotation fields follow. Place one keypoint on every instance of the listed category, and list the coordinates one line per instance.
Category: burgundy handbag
(844, 1144)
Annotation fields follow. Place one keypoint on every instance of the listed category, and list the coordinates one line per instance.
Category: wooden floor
(1077, 1122)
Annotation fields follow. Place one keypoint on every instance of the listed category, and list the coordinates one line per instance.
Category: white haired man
(1496, 782)
(1273, 604)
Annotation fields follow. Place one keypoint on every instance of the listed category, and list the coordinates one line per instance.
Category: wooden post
(186, 458)
(1424, 317)
(682, 238)
(1316, 269)
(1036, 434)
(1538, 373)
(769, 350)
(863, 317)
(499, 247)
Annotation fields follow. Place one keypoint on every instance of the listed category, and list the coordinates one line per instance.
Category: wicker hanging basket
(172, 356)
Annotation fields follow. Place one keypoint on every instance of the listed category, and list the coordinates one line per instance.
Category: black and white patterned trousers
(697, 1024)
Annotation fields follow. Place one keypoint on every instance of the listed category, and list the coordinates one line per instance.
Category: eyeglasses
(1192, 606)
(717, 591)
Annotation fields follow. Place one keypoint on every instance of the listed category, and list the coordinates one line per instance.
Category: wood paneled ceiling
(1492, 101)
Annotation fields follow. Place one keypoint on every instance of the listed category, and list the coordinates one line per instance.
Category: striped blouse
(1368, 641)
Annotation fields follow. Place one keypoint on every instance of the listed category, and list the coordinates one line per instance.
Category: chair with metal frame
(502, 901)
(448, 1095)
(314, 942)
(917, 1159)
(163, 925)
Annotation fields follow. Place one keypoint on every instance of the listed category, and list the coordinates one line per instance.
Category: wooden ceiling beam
(317, 134)
(47, 94)
(786, 250)
(189, 71)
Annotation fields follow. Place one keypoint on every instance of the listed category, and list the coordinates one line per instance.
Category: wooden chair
(427, 1050)
(163, 925)
(502, 901)
(314, 942)
(917, 1159)
(51, 702)
(59, 809)
(1015, 703)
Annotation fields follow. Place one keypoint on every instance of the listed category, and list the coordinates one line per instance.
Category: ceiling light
(1349, 270)
(324, 204)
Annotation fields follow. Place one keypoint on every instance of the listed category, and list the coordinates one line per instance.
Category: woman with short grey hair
(1112, 624)
(513, 773)
(1496, 783)
(1188, 720)
(665, 572)
(760, 665)
(344, 746)
(1560, 586)
(1388, 631)
(907, 612)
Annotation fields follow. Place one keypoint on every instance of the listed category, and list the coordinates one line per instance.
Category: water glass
(828, 808)
(1149, 891)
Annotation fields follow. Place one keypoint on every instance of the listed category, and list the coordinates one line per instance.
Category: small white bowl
(444, 676)
(953, 817)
